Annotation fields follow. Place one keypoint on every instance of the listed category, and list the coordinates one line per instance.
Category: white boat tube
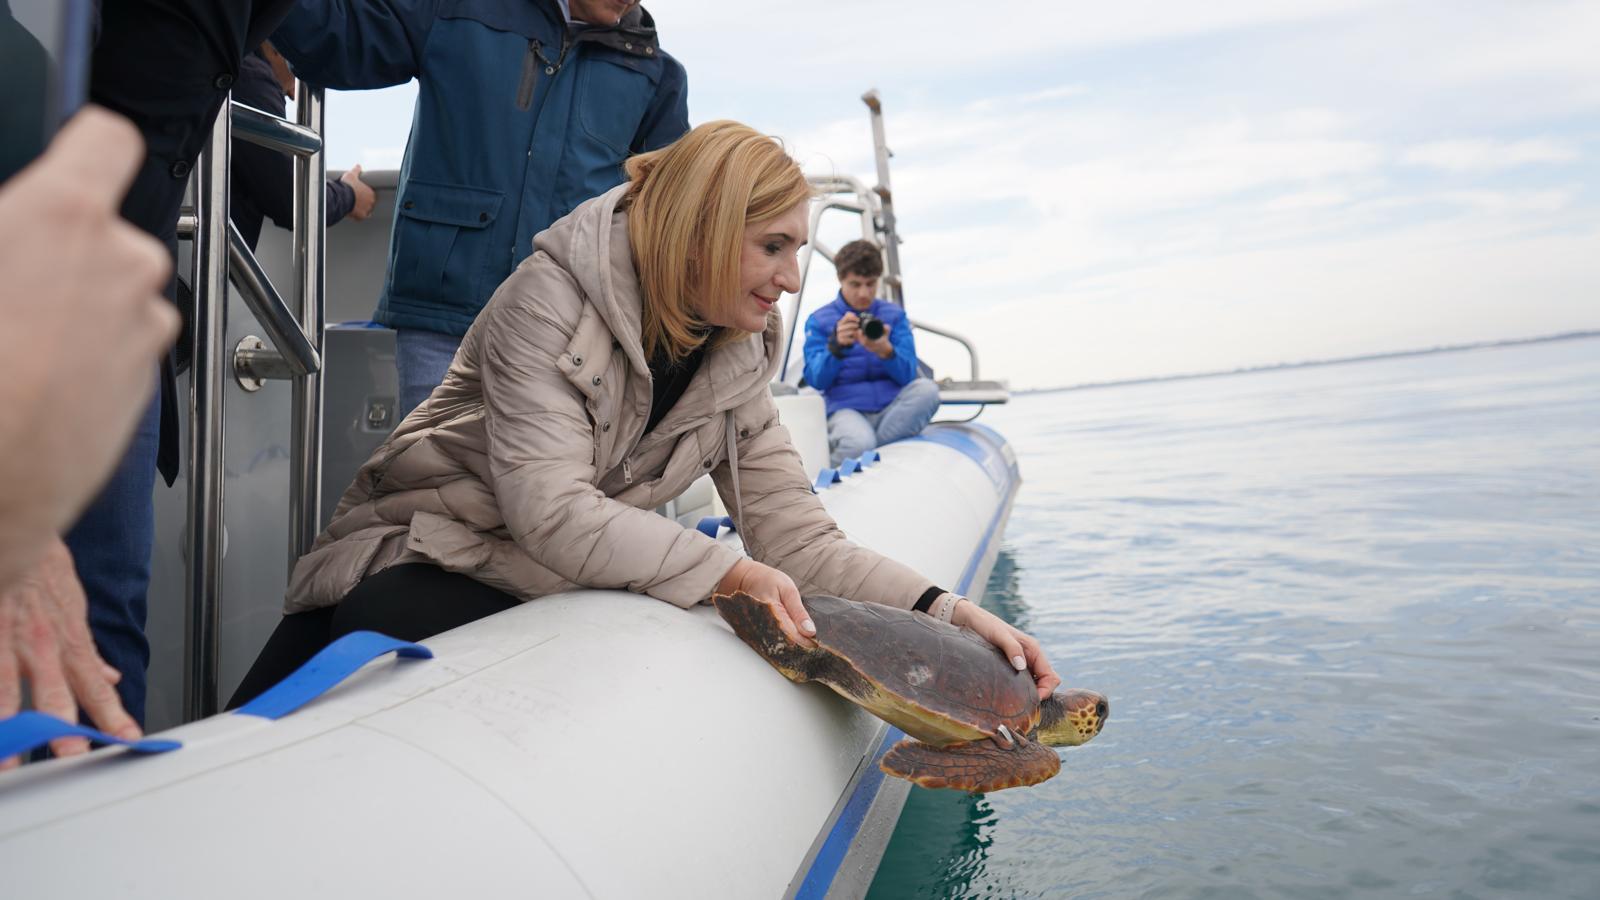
(589, 744)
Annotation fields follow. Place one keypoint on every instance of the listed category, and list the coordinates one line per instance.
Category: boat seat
(972, 393)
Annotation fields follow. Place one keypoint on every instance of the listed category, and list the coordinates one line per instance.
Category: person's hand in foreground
(772, 586)
(44, 638)
(1018, 646)
(85, 323)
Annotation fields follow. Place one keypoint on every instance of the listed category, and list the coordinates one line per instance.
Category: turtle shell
(947, 683)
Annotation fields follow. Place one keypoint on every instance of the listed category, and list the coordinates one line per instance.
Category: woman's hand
(1019, 647)
(769, 585)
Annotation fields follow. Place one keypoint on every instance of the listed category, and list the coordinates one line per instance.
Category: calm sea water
(1349, 621)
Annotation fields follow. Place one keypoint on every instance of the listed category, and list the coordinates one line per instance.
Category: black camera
(872, 327)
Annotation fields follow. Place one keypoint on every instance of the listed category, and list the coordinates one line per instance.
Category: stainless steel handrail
(274, 132)
(269, 309)
(220, 255)
(305, 466)
(972, 351)
(203, 590)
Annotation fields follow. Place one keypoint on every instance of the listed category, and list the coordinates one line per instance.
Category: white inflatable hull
(589, 744)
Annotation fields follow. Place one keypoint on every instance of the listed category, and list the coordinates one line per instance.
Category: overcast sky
(1095, 192)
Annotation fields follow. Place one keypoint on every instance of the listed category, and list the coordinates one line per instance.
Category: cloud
(1305, 200)
(1114, 191)
(852, 37)
(1489, 155)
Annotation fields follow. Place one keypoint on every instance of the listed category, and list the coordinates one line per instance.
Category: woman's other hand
(1019, 647)
(772, 586)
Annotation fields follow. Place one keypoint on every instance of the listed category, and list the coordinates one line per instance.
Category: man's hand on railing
(44, 638)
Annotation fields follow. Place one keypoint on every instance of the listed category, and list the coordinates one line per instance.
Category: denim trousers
(852, 432)
(111, 544)
(420, 359)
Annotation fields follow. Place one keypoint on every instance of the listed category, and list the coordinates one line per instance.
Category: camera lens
(872, 327)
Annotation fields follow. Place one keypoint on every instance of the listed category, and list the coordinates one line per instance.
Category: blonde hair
(688, 206)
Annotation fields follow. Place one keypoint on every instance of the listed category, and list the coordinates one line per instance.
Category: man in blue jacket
(860, 354)
(525, 109)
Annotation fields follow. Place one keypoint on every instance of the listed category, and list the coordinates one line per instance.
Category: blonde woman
(628, 356)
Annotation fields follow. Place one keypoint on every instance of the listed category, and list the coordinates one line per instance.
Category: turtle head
(1070, 718)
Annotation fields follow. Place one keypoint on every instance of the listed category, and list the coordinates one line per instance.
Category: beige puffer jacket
(529, 469)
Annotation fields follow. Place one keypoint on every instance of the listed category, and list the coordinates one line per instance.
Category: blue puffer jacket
(859, 380)
(518, 120)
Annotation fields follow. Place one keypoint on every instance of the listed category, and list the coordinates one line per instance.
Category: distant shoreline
(1369, 357)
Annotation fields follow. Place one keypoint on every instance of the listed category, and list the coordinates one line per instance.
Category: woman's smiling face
(768, 266)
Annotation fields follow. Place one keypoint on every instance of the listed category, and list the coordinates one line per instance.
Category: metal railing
(305, 454)
(203, 587)
(220, 256)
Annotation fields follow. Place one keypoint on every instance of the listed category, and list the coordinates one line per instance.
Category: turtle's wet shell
(940, 683)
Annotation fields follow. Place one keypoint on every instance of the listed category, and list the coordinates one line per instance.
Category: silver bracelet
(947, 605)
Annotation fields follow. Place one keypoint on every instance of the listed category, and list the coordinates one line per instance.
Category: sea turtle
(975, 722)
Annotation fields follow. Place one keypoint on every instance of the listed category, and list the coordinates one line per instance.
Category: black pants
(411, 602)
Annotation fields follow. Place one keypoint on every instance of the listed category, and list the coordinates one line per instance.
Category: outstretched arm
(356, 44)
(785, 525)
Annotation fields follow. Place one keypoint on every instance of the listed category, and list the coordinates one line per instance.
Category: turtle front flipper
(979, 766)
(757, 625)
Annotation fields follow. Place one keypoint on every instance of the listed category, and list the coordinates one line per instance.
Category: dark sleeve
(267, 176)
(356, 44)
(667, 117)
(340, 200)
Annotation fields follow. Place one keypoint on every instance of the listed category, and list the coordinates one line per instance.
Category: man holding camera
(860, 354)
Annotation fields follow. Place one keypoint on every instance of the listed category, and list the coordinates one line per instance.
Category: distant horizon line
(1336, 361)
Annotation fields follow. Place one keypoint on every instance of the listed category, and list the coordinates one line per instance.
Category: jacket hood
(591, 244)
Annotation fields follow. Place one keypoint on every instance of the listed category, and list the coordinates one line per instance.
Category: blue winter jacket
(859, 379)
(519, 119)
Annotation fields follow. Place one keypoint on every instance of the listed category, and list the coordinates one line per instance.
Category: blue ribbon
(711, 526)
(335, 663)
(27, 730)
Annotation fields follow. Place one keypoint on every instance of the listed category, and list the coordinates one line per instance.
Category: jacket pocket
(443, 242)
(613, 94)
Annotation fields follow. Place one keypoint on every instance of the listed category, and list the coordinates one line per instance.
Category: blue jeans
(420, 359)
(852, 432)
(110, 546)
